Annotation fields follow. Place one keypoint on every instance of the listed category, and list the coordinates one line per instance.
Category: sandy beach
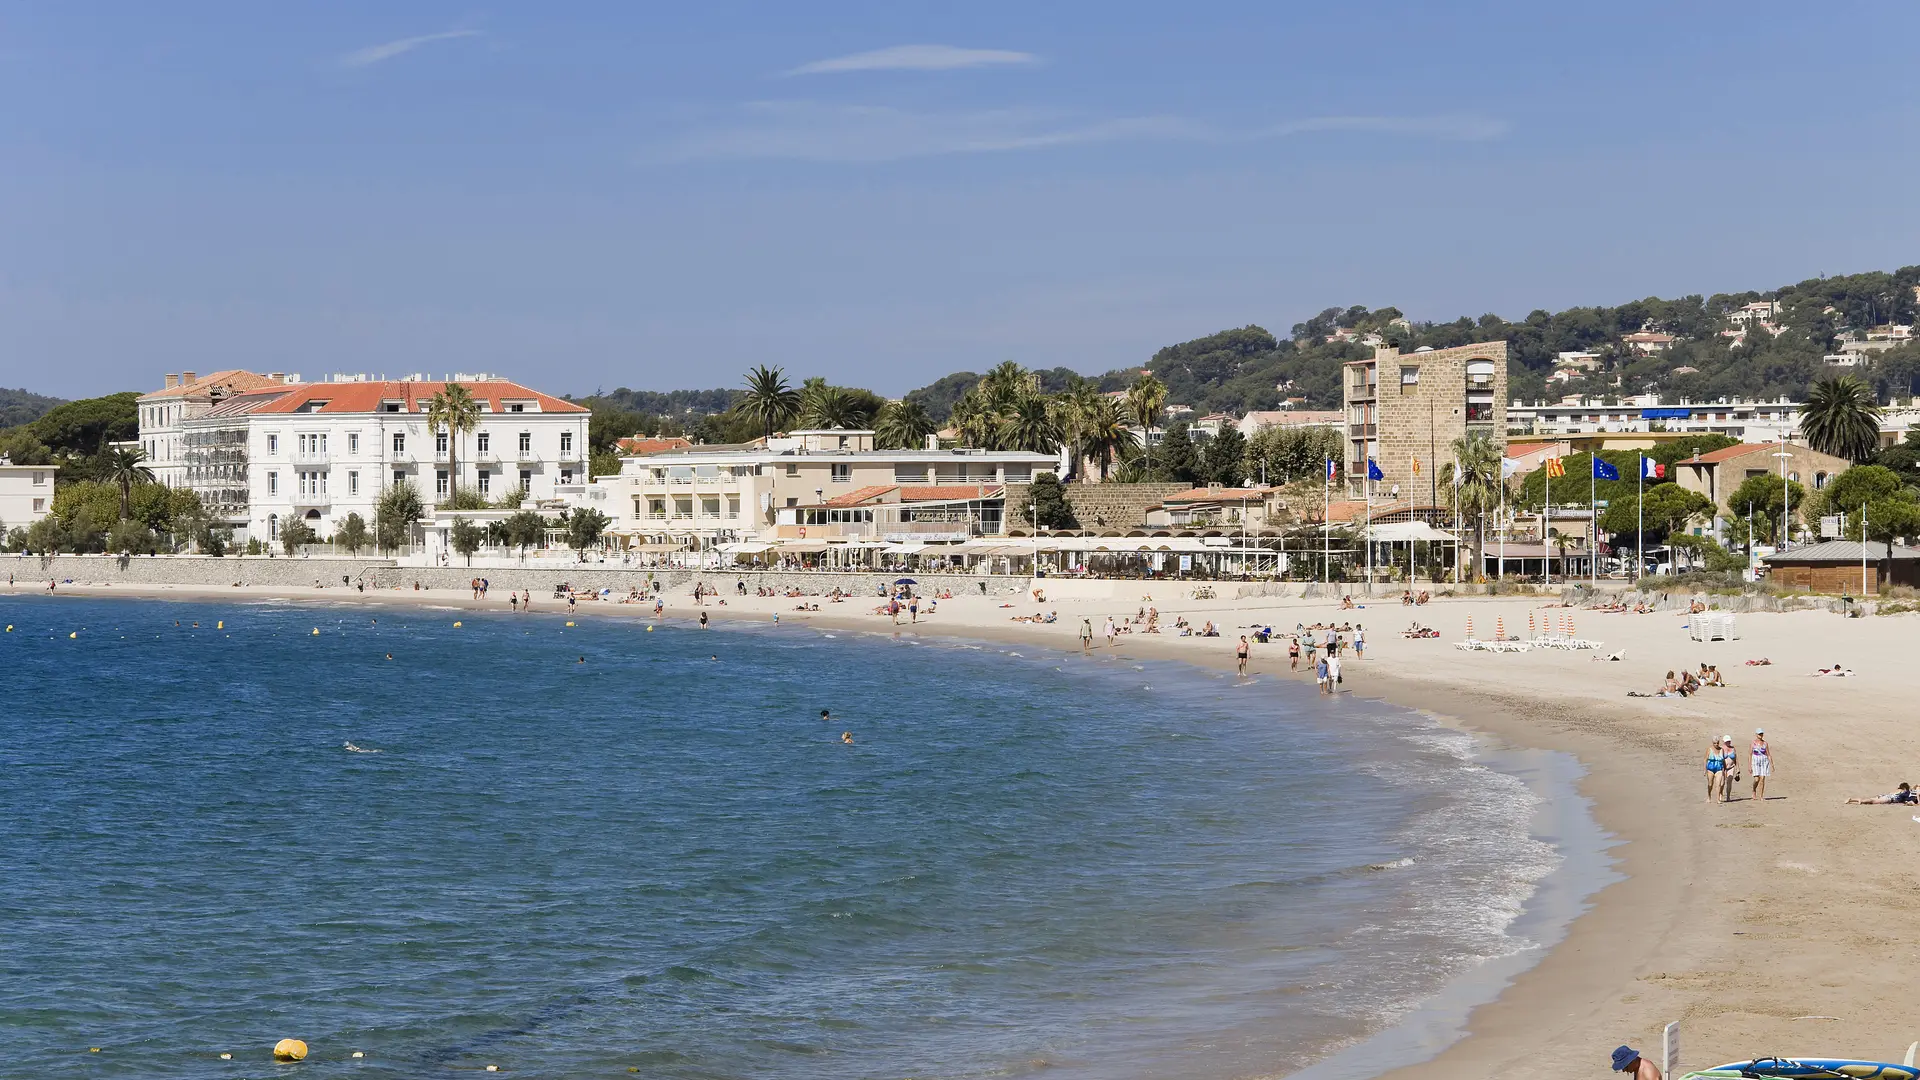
(1775, 927)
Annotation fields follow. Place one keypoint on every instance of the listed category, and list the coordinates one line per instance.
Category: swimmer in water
(847, 737)
(582, 660)
(827, 716)
(389, 656)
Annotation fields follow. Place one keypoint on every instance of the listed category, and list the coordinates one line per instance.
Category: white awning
(1399, 532)
(744, 547)
(803, 546)
(902, 549)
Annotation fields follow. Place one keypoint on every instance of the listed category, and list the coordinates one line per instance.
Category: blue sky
(597, 194)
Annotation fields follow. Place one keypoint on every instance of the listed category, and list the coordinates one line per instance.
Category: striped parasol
(1500, 628)
(1469, 627)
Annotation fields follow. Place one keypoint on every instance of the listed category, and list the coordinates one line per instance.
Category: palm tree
(976, 421)
(1144, 400)
(1103, 432)
(1031, 423)
(824, 406)
(125, 469)
(1842, 418)
(904, 425)
(1473, 484)
(1006, 384)
(769, 399)
(454, 411)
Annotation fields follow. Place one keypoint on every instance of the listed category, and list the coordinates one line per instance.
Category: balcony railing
(310, 501)
(312, 458)
(1362, 430)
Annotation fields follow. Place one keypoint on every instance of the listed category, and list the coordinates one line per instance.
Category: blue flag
(1373, 470)
(1604, 471)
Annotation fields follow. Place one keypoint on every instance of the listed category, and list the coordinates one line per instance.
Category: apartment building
(816, 485)
(1405, 410)
(26, 494)
(187, 396)
(1758, 421)
(323, 450)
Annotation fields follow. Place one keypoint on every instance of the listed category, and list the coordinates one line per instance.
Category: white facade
(1749, 421)
(327, 450)
(26, 494)
(166, 414)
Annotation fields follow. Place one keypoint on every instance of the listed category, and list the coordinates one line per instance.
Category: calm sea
(484, 851)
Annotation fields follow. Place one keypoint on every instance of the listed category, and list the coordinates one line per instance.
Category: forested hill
(1711, 355)
(21, 407)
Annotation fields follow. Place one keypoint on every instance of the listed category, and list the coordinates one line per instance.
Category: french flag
(1651, 469)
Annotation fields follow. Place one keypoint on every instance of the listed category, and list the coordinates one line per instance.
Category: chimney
(278, 376)
(172, 380)
(186, 377)
(933, 442)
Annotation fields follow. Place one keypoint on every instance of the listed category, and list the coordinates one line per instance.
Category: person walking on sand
(1333, 674)
(1293, 654)
(1240, 655)
(1111, 632)
(913, 609)
(1760, 756)
(1715, 762)
(1729, 768)
(1086, 637)
(1320, 674)
(1359, 642)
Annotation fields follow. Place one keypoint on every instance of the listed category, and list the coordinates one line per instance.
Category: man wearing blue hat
(1628, 1060)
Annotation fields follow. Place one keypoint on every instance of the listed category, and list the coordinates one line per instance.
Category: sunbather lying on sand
(1836, 670)
(1905, 794)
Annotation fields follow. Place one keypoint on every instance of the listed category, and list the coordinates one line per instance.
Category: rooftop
(411, 395)
(1842, 551)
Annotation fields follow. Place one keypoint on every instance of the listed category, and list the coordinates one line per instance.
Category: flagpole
(1501, 572)
(1366, 486)
(1640, 523)
(1593, 522)
(1546, 525)
(1326, 524)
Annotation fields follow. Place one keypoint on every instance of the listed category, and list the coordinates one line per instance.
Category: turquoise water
(661, 859)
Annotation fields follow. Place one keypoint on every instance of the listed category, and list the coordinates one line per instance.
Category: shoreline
(1652, 946)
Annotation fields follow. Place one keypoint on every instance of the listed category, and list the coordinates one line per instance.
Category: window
(566, 442)
(683, 506)
(1480, 373)
(526, 445)
(566, 476)
(791, 501)
(39, 506)
(517, 407)
(1409, 375)
(439, 442)
(353, 483)
(843, 474)
(353, 442)
(273, 524)
(39, 479)
(526, 480)
(399, 477)
(389, 406)
(710, 507)
(399, 442)
(793, 469)
(439, 481)
(483, 442)
(273, 483)
(1819, 480)
(484, 481)
(1479, 412)
(273, 444)
(656, 509)
(733, 507)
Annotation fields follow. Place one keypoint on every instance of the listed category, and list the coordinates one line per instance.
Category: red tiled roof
(366, 397)
(1714, 457)
(945, 492)
(637, 445)
(234, 379)
(860, 495)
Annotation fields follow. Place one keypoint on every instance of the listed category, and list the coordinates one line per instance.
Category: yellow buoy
(93, 1049)
(359, 1053)
(75, 634)
(221, 625)
(649, 629)
(569, 622)
(456, 622)
(226, 1057)
(316, 631)
(289, 1050)
(9, 628)
(493, 1068)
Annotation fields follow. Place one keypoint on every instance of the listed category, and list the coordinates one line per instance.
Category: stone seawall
(201, 571)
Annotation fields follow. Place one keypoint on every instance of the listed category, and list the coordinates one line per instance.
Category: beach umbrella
(1469, 628)
(1500, 628)
(1530, 630)
(905, 581)
(1570, 630)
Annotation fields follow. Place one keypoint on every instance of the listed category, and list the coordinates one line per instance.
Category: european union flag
(1373, 470)
(1604, 471)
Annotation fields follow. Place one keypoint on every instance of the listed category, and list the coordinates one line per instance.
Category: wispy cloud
(915, 58)
(815, 131)
(374, 54)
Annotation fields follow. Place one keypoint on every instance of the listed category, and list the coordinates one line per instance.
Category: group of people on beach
(1723, 767)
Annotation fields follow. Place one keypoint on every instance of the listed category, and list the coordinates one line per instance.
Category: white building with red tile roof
(164, 413)
(319, 451)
